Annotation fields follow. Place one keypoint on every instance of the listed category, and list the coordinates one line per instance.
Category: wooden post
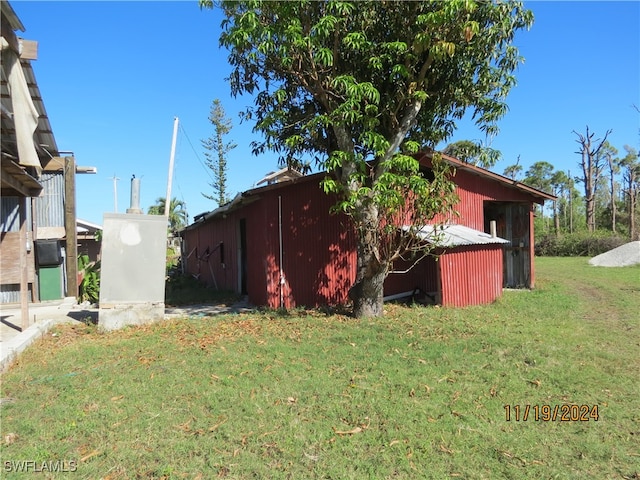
(35, 287)
(24, 280)
(70, 226)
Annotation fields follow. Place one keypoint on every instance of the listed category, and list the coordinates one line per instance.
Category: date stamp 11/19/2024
(551, 413)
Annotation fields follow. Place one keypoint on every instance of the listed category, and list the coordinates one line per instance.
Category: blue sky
(113, 76)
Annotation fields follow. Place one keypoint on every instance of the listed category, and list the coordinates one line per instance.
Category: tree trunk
(591, 213)
(556, 219)
(612, 191)
(367, 292)
(632, 213)
(591, 164)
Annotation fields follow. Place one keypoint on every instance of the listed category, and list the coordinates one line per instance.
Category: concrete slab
(120, 316)
(42, 317)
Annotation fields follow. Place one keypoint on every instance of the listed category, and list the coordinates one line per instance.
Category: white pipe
(492, 228)
(397, 296)
(280, 252)
(167, 200)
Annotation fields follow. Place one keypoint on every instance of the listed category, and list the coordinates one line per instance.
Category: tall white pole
(115, 192)
(167, 200)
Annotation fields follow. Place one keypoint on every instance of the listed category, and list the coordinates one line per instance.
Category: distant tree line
(600, 195)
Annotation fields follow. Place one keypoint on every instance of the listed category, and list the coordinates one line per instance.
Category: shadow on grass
(88, 317)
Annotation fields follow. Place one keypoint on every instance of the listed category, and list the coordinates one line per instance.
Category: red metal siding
(474, 191)
(319, 254)
(207, 265)
(471, 275)
(318, 249)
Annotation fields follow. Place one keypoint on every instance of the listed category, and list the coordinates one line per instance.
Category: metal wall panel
(10, 214)
(471, 275)
(202, 253)
(49, 207)
(473, 192)
(11, 293)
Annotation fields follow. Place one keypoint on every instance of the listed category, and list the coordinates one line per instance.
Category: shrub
(89, 288)
(579, 244)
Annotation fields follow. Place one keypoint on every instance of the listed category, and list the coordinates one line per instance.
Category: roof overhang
(16, 182)
(27, 138)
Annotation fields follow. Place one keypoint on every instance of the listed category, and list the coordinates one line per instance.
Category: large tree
(216, 150)
(512, 171)
(363, 86)
(539, 175)
(473, 152)
(591, 163)
(609, 153)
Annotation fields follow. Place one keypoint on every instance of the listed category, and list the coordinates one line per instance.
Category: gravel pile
(623, 256)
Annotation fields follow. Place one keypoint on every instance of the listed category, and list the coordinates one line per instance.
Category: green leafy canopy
(362, 86)
(386, 74)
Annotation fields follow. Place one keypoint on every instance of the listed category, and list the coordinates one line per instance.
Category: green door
(50, 282)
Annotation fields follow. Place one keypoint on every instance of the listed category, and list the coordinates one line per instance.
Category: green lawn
(420, 393)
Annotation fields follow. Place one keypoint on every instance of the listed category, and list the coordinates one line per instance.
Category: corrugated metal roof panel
(455, 235)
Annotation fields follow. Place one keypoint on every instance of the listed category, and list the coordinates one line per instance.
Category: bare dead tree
(591, 163)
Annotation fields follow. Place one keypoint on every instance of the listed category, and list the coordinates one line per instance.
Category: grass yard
(420, 393)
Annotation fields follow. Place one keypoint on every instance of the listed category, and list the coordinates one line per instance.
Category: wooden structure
(279, 245)
(28, 153)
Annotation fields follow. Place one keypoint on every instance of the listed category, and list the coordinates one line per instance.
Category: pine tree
(216, 150)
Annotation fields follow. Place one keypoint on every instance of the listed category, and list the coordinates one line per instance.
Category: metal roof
(454, 235)
(44, 140)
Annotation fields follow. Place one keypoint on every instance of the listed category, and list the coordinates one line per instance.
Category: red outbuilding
(279, 245)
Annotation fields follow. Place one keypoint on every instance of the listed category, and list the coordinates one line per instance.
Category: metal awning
(455, 236)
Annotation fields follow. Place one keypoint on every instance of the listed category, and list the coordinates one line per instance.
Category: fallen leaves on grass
(91, 454)
(228, 331)
(221, 421)
(10, 438)
(353, 431)
(348, 432)
(445, 449)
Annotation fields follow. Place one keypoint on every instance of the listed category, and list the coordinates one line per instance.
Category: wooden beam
(24, 282)
(14, 177)
(35, 287)
(28, 49)
(55, 164)
(70, 226)
(10, 182)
